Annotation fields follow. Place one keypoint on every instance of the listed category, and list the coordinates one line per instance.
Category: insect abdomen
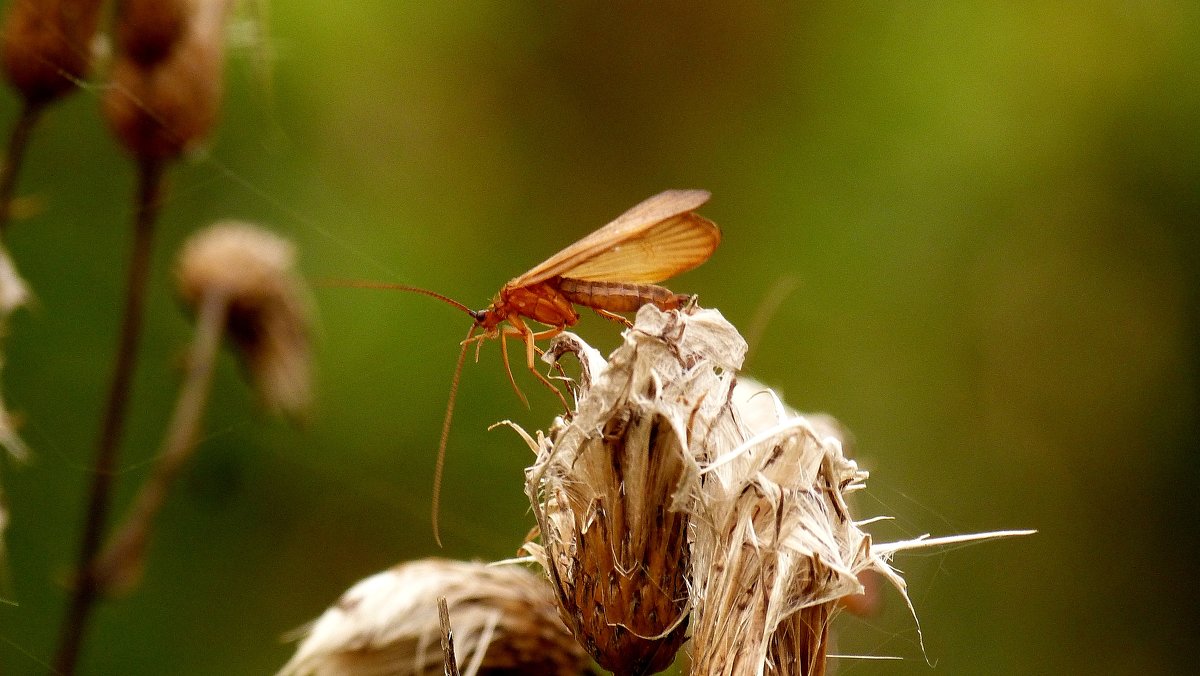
(619, 296)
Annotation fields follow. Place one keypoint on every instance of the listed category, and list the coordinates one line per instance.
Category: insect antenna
(388, 286)
(439, 466)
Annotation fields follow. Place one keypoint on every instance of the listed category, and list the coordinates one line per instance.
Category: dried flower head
(665, 440)
(608, 487)
(47, 45)
(774, 545)
(147, 30)
(166, 91)
(503, 620)
(252, 271)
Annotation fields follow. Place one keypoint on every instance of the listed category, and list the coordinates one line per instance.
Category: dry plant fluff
(503, 619)
(251, 272)
(674, 496)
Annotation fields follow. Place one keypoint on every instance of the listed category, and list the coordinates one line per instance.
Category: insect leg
(508, 368)
(520, 329)
(478, 340)
(612, 316)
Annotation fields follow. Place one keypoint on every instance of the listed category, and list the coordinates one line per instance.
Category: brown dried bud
(47, 45)
(147, 30)
(162, 108)
(503, 620)
(606, 486)
(268, 309)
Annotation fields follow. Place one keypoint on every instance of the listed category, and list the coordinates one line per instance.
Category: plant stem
(17, 142)
(85, 590)
(449, 661)
(120, 565)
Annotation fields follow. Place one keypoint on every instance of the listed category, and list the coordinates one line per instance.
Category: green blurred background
(988, 212)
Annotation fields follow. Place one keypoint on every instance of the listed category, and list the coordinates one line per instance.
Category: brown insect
(613, 270)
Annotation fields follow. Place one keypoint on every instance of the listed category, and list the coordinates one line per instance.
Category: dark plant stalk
(449, 661)
(85, 590)
(18, 141)
(119, 567)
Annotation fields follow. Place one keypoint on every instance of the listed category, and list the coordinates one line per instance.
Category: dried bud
(607, 486)
(47, 45)
(503, 620)
(161, 108)
(268, 313)
(147, 30)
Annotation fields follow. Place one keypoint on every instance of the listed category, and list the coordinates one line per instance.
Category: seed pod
(160, 109)
(268, 309)
(502, 616)
(47, 46)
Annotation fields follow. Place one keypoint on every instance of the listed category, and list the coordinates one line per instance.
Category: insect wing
(664, 250)
(652, 241)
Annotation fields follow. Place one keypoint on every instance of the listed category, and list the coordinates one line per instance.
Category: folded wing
(654, 240)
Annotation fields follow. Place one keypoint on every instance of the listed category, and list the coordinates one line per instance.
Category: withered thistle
(238, 278)
(609, 488)
(149, 30)
(251, 272)
(774, 544)
(675, 499)
(503, 619)
(166, 80)
(47, 46)
(46, 51)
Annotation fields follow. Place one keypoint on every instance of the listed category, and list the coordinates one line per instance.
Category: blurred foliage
(990, 212)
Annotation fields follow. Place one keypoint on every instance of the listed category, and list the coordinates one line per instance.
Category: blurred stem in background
(18, 141)
(240, 278)
(45, 49)
(162, 101)
(104, 466)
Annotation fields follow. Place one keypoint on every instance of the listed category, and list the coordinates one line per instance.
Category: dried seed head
(774, 545)
(606, 487)
(47, 45)
(503, 620)
(662, 440)
(662, 437)
(268, 309)
(163, 107)
(147, 30)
